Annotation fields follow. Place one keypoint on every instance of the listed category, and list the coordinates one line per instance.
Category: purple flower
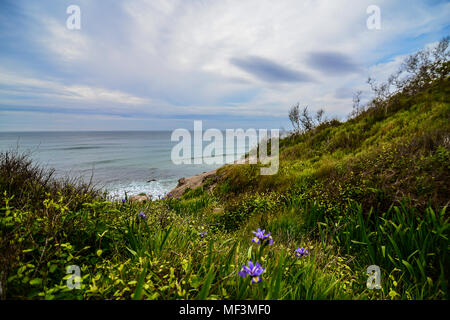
(142, 215)
(253, 270)
(261, 237)
(203, 234)
(123, 200)
(301, 252)
(169, 195)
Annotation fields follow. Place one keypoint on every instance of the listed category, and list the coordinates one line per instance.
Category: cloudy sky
(160, 64)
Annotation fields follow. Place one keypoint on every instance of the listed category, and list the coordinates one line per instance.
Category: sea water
(121, 161)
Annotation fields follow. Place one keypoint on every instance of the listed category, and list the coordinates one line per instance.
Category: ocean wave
(153, 188)
(79, 148)
(101, 162)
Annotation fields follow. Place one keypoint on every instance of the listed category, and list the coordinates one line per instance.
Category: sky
(160, 65)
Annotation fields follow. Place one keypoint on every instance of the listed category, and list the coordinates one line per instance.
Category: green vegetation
(369, 191)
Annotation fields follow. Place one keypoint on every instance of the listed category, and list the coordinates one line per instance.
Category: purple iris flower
(123, 200)
(203, 234)
(142, 215)
(253, 270)
(261, 238)
(301, 252)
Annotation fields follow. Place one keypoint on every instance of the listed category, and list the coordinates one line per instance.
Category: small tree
(357, 107)
(416, 73)
(319, 116)
(294, 117)
(306, 120)
(303, 121)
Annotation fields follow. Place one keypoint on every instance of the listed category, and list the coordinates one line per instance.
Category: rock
(139, 198)
(151, 180)
(218, 210)
(192, 183)
(181, 182)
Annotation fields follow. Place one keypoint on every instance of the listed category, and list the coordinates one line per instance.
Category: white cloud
(25, 86)
(174, 57)
(68, 45)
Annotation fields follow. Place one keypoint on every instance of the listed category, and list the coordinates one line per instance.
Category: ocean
(133, 162)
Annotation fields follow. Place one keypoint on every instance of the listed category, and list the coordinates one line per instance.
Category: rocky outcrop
(192, 182)
(140, 198)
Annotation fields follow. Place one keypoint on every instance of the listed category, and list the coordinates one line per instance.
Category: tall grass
(416, 244)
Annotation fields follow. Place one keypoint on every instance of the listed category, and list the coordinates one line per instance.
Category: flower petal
(242, 273)
(256, 279)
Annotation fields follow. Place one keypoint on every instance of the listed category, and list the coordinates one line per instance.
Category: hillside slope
(375, 188)
(370, 191)
(377, 158)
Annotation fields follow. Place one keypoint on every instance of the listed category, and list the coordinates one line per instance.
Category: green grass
(164, 257)
(369, 191)
(374, 159)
